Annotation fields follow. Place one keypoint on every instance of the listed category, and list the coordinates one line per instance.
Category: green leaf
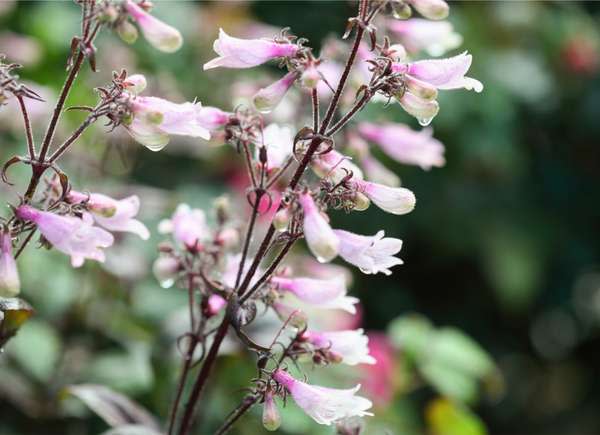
(447, 418)
(456, 350)
(114, 408)
(411, 334)
(449, 381)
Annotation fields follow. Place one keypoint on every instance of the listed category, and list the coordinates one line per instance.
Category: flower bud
(214, 305)
(135, 83)
(165, 271)
(127, 32)
(10, 285)
(108, 15)
(271, 419)
(397, 52)
(222, 208)
(282, 219)
(310, 77)
(361, 202)
(268, 98)
(432, 9)
(160, 35)
(401, 10)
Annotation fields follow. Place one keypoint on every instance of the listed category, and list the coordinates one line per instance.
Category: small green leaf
(411, 334)
(447, 418)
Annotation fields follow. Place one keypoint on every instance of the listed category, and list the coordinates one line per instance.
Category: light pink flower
(443, 73)
(279, 142)
(324, 405)
(322, 293)
(336, 166)
(247, 53)
(377, 172)
(112, 214)
(405, 145)
(395, 200)
(371, 254)
(320, 238)
(165, 270)
(212, 118)
(187, 225)
(154, 119)
(433, 37)
(266, 99)
(432, 9)
(160, 35)
(10, 285)
(350, 346)
(71, 235)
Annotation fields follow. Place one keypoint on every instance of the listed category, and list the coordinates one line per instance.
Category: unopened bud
(282, 219)
(214, 305)
(165, 270)
(127, 32)
(223, 208)
(108, 15)
(135, 83)
(229, 237)
(310, 77)
(432, 9)
(361, 202)
(271, 419)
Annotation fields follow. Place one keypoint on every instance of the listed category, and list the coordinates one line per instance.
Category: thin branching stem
(28, 130)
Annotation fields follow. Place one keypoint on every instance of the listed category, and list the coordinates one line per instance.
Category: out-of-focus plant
(232, 284)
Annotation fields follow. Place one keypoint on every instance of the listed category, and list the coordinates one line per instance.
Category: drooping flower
(266, 99)
(154, 119)
(322, 293)
(320, 238)
(432, 9)
(371, 254)
(405, 145)
(10, 285)
(395, 200)
(247, 53)
(433, 37)
(351, 346)
(160, 35)
(324, 405)
(271, 419)
(112, 214)
(77, 237)
(279, 142)
(377, 172)
(187, 225)
(336, 166)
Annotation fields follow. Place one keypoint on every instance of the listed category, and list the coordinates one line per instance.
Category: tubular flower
(422, 109)
(324, 405)
(377, 172)
(433, 37)
(279, 142)
(322, 293)
(320, 238)
(10, 285)
(405, 145)
(266, 99)
(336, 166)
(371, 254)
(112, 214)
(212, 118)
(247, 53)
(271, 419)
(162, 36)
(71, 235)
(154, 119)
(187, 225)
(165, 270)
(432, 9)
(351, 346)
(395, 200)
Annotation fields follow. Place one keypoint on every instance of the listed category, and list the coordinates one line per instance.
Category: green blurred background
(504, 243)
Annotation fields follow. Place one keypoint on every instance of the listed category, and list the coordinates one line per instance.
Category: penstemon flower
(324, 405)
(247, 53)
(395, 200)
(187, 225)
(10, 285)
(433, 37)
(322, 293)
(350, 347)
(165, 270)
(160, 35)
(154, 119)
(112, 214)
(375, 171)
(279, 142)
(336, 166)
(73, 236)
(371, 254)
(432, 9)
(405, 145)
(320, 238)
(271, 418)
(268, 98)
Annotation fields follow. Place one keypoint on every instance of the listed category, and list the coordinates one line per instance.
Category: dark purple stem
(28, 130)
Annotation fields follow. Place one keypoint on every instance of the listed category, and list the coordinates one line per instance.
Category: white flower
(317, 231)
(395, 200)
(10, 285)
(324, 405)
(279, 141)
(371, 254)
(352, 346)
(188, 226)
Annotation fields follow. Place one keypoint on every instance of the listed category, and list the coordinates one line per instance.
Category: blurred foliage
(504, 244)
